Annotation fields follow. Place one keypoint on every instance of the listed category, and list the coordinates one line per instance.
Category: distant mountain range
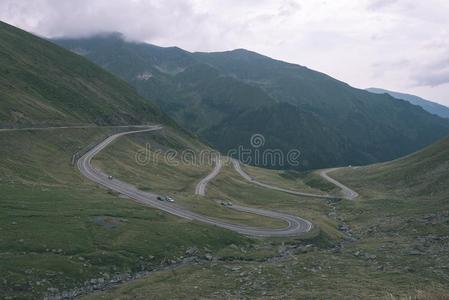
(432, 107)
(226, 97)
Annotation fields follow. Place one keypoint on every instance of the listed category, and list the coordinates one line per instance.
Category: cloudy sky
(401, 45)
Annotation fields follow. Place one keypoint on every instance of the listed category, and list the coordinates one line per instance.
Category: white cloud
(394, 44)
(433, 74)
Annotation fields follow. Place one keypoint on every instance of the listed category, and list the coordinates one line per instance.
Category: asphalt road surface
(70, 127)
(346, 192)
(201, 186)
(295, 225)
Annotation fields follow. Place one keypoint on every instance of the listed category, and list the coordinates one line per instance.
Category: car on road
(110, 177)
(159, 198)
(169, 199)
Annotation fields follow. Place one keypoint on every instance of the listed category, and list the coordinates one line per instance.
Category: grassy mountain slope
(395, 244)
(431, 107)
(227, 97)
(195, 94)
(424, 173)
(43, 84)
(58, 230)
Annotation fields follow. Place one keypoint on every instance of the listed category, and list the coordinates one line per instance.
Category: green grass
(423, 173)
(314, 275)
(399, 246)
(178, 180)
(43, 84)
(308, 182)
(231, 187)
(59, 230)
(155, 174)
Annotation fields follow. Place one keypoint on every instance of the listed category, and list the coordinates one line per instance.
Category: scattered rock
(53, 290)
(191, 251)
(415, 252)
(371, 257)
(344, 228)
(233, 246)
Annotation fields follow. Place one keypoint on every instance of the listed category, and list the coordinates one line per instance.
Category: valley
(104, 196)
(296, 226)
(226, 97)
(388, 243)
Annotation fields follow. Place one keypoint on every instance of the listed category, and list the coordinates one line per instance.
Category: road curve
(296, 226)
(201, 186)
(245, 175)
(347, 192)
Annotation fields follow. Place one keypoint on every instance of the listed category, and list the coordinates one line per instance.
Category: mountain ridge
(430, 106)
(45, 85)
(220, 95)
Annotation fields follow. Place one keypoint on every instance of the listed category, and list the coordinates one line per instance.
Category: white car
(169, 199)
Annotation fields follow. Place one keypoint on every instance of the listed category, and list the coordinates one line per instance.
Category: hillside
(394, 245)
(424, 173)
(61, 234)
(64, 237)
(59, 231)
(229, 96)
(42, 84)
(194, 94)
(431, 107)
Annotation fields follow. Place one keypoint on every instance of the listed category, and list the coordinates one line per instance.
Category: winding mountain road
(295, 225)
(346, 191)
